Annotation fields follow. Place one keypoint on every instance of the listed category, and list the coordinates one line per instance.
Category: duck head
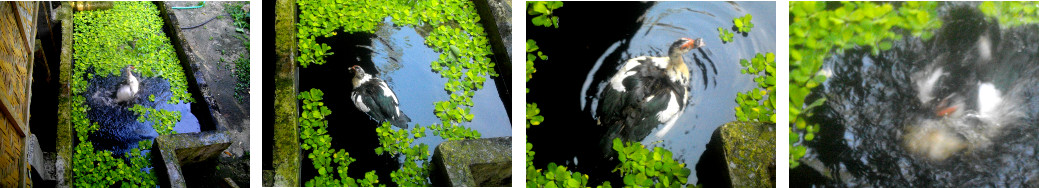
(360, 77)
(684, 45)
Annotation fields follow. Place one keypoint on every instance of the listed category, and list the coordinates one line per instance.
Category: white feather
(988, 100)
(360, 103)
(669, 115)
(389, 93)
(617, 81)
(925, 86)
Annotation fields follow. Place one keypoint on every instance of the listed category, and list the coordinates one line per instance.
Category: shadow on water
(871, 100)
(119, 129)
(594, 38)
(399, 56)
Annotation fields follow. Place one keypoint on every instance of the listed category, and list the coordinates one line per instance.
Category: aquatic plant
(1012, 13)
(725, 35)
(316, 140)
(644, 168)
(93, 168)
(754, 105)
(554, 175)
(130, 33)
(398, 142)
(533, 54)
(816, 32)
(455, 33)
(743, 24)
(542, 10)
(162, 120)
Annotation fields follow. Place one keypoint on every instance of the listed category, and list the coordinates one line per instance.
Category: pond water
(872, 101)
(594, 38)
(119, 129)
(398, 56)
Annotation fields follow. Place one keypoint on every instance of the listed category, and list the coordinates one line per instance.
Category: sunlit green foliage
(1012, 13)
(725, 35)
(130, 33)
(644, 168)
(533, 115)
(94, 168)
(455, 32)
(743, 24)
(543, 12)
(533, 54)
(241, 75)
(238, 16)
(316, 140)
(816, 32)
(162, 120)
(759, 104)
(554, 175)
(398, 142)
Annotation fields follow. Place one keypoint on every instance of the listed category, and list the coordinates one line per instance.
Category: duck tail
(401, 121)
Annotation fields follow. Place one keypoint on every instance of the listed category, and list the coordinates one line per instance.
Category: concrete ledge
(286, 152)
(485, 162)
(181, 149)
(750, 153)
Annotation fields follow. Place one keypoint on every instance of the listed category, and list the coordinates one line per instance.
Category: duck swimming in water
(647, 91)
(968, 94)
(128, 91)
(372, 96)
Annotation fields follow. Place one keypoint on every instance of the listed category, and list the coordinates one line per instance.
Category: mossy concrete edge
(750, 153)
(287, 154)
(63, 164)
(476, 162)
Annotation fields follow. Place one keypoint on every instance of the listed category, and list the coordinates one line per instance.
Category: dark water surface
(398, 56)
(871, 100)
(594, 38)
(119, 129)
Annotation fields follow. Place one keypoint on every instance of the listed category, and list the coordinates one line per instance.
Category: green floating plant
(542, 10)
(316, 140)
(759, 104)
(106, 41)
(128, 34)
(817, 31)
(645, 168)
(162, 120)
(1012, 13)
(725, 35)
(743, 24)
(398, 142)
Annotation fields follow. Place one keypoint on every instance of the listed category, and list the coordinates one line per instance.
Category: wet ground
(398, 56)
(872, 100)
(594, 38)
(217, 44)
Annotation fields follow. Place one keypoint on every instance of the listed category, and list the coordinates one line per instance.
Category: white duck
(128, 91)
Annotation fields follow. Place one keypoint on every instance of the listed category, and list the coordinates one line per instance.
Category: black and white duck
(968, 93)
(647, 91)
(372, 96)
(127, 92)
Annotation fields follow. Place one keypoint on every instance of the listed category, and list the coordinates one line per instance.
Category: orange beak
(946, 111)
(692, 43)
